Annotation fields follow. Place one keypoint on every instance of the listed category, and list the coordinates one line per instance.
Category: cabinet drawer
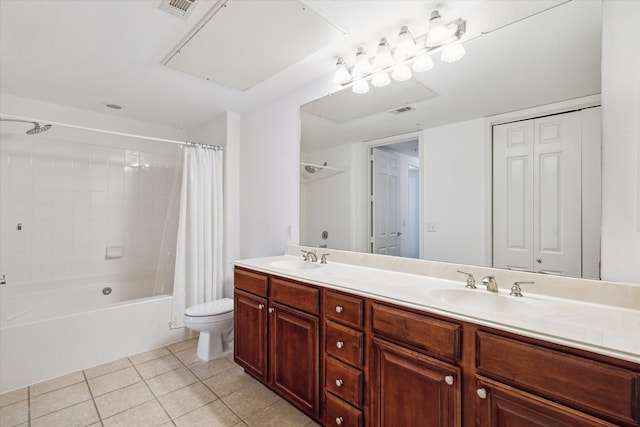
(295, 295)
(344, 343)
(344, 309)
(251, 282)
(436, 336)
(341, 414)
(344, 381)
(594, 387)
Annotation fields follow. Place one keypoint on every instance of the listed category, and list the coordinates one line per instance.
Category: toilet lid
(220, 306)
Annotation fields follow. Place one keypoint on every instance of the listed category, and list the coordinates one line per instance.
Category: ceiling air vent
(181, 8)
(402, 110)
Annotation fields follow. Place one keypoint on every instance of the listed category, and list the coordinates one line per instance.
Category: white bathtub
(46, 333)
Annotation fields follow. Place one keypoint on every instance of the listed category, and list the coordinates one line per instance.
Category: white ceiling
(86, 53)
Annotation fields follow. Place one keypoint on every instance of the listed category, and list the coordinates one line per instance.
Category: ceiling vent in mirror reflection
(312, 172)
(402, 110)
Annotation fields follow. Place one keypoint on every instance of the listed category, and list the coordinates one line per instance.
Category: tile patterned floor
(168, 386)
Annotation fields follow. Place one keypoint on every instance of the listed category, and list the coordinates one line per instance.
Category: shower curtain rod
(111, 132)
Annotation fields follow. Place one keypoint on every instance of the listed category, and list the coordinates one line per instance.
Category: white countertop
(602, 329)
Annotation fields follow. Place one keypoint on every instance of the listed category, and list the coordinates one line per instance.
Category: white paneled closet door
(513, 196)
(384, 203)
(537, 195)
(557, 195)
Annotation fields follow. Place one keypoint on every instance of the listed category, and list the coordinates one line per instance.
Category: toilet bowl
(214, 321)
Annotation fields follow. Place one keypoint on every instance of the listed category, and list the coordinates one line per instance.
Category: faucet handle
(471, 282)
(323, 259)
(305, 255)
(516, 290)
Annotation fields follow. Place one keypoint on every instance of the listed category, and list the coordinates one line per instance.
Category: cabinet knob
(339, 383)
(449, 379)
(340, 344)
(482, 393)
(339, 309)
(339, 420)
(271, 310)
(260, 306)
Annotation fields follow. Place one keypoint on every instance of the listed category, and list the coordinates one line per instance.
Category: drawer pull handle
(339, 420)
(482, 393)
(339, 383)
(339, 344)
(449, 379)
(260, 306)
(271, 310)
(339, 309)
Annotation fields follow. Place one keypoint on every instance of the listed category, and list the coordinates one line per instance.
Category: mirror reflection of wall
(530, 68)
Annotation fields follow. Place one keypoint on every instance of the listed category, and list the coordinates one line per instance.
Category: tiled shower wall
(73, 200)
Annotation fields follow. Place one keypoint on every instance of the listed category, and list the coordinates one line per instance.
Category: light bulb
(453, 53)
(422, 63)
(360, 87)
(362, 66)
(438, 32)
(342, 75)
(380, 79)
(401, 73)
(383, 57)
(406, 44)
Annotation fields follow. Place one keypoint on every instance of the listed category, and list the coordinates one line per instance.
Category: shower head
(37, 127)
(314, 169)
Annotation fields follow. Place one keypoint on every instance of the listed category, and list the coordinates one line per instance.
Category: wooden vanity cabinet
(250, 322)
(344, 359)
(383, 365)
(409, 386)
(276, 336)
(526, 382)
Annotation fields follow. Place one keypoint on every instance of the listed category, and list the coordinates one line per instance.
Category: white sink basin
(295, 264)
(479, 300)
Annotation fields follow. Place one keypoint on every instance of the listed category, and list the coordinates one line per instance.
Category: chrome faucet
(516, 290)
(490, 283)
(323, 259)
(309, 256)
(471, 282)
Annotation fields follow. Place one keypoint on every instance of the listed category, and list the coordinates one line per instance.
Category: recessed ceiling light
(113, 106)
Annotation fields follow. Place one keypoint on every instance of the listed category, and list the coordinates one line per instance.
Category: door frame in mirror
(367, 225)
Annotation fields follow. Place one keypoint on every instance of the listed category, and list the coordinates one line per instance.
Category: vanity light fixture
(342, 75)
(439, 33)
(453, 53)
(409, 53)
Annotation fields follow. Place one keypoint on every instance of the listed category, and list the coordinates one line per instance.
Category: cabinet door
(502, 406)
(294, 357)
(410, 389)
(250, 334)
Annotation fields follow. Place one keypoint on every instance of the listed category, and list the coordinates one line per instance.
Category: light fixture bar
(402, 61)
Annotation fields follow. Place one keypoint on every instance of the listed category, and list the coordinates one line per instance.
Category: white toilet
(214, 321)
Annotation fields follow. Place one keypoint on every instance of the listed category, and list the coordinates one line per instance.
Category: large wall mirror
(408, 169)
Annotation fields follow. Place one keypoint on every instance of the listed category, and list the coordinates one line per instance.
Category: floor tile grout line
(29, 406)
(93, 399)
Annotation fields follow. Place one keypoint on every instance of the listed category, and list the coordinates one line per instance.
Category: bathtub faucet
(3, 281)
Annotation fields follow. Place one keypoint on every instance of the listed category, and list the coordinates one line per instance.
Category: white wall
(269, 172)
(454, 163)
(621, 142)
